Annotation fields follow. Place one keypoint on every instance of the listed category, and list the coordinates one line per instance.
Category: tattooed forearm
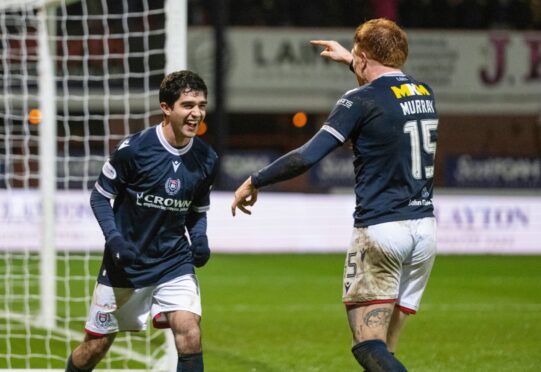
(377, 318)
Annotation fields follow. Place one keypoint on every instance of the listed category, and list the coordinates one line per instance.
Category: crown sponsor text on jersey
(170, 204)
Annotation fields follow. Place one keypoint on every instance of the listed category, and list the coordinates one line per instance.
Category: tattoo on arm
(377, 318)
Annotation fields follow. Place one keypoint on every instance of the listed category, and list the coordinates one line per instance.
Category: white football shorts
(127, 309)
(390, 262)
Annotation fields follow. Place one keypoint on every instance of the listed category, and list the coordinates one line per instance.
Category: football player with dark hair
(156, 230)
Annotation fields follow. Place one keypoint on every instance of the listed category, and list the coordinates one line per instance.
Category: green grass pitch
(283, 313)
(274, 313)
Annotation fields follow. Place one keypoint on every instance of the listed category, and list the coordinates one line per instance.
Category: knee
(99, 349)
(91, 351)
(188, 340)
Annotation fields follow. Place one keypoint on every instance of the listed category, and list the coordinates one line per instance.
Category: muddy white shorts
(390, 262)
(127, 309)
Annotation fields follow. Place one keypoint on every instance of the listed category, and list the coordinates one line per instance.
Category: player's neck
(174, 139)
(378, 70)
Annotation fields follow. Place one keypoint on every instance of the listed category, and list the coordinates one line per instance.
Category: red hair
(383, 41)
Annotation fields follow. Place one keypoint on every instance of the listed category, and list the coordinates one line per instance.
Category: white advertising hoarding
(278, 70)
(467, 224)
(20, 221)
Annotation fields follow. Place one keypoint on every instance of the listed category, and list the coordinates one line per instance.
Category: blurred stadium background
(269, 92)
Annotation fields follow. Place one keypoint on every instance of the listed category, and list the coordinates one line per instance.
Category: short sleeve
(344, 117)
(201, 201)
(116, 171)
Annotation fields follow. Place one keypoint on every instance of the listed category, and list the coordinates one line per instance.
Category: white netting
(109, 60)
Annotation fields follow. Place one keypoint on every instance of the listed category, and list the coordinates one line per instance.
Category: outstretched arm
(286, 167)
(334, 51)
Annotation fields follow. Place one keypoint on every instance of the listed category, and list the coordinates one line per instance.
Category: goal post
(177, 19)
(47, 168)
(76, 76)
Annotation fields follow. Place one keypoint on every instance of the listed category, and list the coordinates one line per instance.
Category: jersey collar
(167, 145)
(392, 73)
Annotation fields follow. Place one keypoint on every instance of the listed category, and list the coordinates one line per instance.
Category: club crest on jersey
(103, 320)
(172, 185)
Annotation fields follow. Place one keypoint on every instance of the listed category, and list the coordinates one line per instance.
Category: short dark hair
(178, 82)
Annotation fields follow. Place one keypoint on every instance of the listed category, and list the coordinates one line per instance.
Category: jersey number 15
(421, 142)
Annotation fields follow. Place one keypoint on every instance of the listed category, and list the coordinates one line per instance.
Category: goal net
(76, 76)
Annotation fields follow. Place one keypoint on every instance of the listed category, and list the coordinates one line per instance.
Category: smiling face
(187, 113)
(183, 100)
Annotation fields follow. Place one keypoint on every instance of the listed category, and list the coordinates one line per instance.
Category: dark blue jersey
(155, 186)
(392, 125)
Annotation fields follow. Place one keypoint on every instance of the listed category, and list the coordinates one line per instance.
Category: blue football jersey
(392, 125)
(154, 185)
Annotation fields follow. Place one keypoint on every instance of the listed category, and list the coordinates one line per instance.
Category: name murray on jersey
(415, 106)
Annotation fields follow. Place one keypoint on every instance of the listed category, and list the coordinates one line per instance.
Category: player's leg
(398, 319)
(112, 310)
(89, 353)
(177, 304)
(415, 274)
(369, 322)
(371, 285)
(369, 325)
(185, 327)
